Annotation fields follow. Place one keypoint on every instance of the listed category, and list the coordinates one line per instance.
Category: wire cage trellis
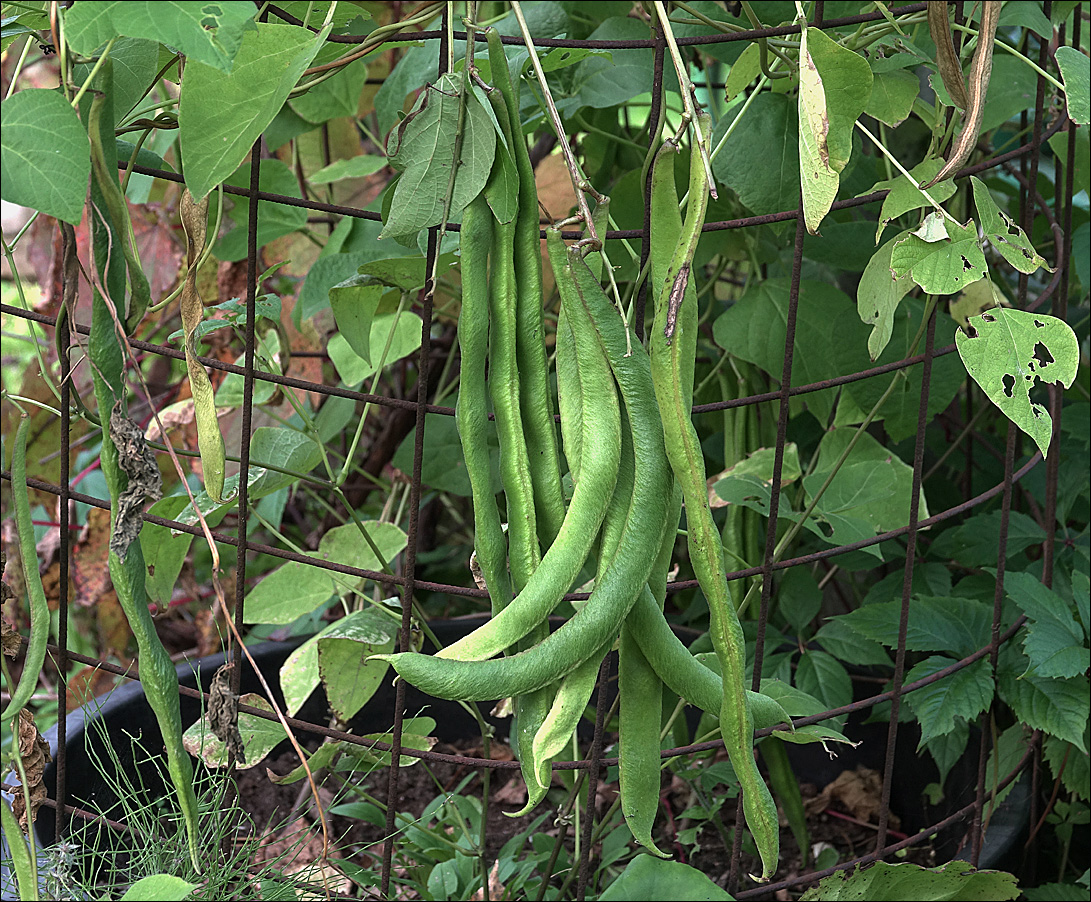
(1021, 162)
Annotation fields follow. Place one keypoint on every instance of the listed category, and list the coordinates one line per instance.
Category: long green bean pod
(574, 691)
(535, 393)
(471, 409)
(669, 368)
(619, 587)
(157, 673)
(600, 435)
(39, 607)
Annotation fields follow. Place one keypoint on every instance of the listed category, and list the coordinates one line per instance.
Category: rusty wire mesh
(1025, 158)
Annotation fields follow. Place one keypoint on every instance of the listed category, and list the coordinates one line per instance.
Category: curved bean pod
(625, 577)
(600, 431)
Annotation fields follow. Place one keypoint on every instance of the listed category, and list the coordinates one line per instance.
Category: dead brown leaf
(34, 752)
(858, 792)
(90, 568)
(10, 643)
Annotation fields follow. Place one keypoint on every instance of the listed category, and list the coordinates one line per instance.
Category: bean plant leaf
(650, 877)
(878, 296)
(344, 649)
(206, 33)
(943, 257)
(1076, 71)
(45, 156)
(956, 698)
(352, 168)
(765, 182)
(834, 88)
(220, 116)
(347, 545)
(882, 882)
(337, 656)
(743, 71)
(905, 196)
(354, 303)
(259, 736)
(1007, 351)
(892, 96)
(404, 333)
(1003, 234)
(289, 592)
(424, 150)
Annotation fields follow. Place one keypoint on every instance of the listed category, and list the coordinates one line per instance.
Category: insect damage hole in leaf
(1007, 351)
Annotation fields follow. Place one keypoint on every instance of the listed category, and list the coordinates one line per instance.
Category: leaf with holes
(940, 264)
(1007, 350)
(1009, 240)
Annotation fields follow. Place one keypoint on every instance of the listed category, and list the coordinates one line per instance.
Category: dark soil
(832, 822)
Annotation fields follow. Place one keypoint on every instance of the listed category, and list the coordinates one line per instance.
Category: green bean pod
(600, 431)
(619, 587)
(684, 675)
(471, 409)
(504, 385)
(535, 392)
(157, 673)
(39, 607)
(669, 368)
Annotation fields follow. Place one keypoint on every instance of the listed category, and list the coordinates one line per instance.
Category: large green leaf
(45, 157)
(942, 256)
(765, 182)
(959, 696)
(834, 88)
(346, 545)
(976, 541)
(289, 592)
(648, 877)
(1008, 351)
(208, 34)
(134, 62)
(220, 115)
(337, 96)
(426, 144)
(354, 303)
(956, 881)
(158, 888)
(1076, 69)
(600, 82)
(404, 333)
(754, 329)
(164, 550)
(878, 296)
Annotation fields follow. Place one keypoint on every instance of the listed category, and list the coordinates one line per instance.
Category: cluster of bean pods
(633, 456)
